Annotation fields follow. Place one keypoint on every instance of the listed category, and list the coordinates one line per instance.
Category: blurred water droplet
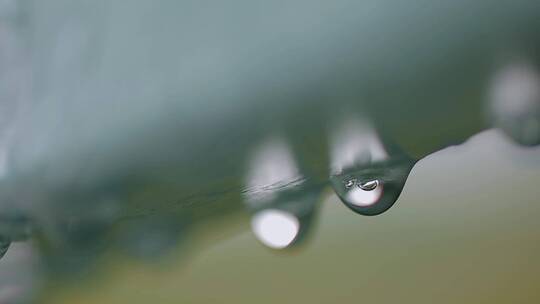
(514, 102)
(280, 198)
(285, 221)
(275, 228)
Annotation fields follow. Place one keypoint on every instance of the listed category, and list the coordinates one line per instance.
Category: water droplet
(382, 187)
(275, 228)
(366, 175)
(514, 102)
(278, 195)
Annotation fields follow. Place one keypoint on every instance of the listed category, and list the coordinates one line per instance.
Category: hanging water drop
(366, 175)
(279, 197)
(379, 187)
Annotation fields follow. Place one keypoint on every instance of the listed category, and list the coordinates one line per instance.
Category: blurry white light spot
(275, 228)
(515, 88)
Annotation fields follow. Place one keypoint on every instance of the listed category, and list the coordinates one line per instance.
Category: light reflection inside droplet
(350, 183)
(369, 185)
(360, 197)
(275, 228)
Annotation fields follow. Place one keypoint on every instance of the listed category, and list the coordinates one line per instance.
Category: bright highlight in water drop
(365, 194)
(275, 228)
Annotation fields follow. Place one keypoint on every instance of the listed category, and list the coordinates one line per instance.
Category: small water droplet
(514, 103)
(375, 195)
